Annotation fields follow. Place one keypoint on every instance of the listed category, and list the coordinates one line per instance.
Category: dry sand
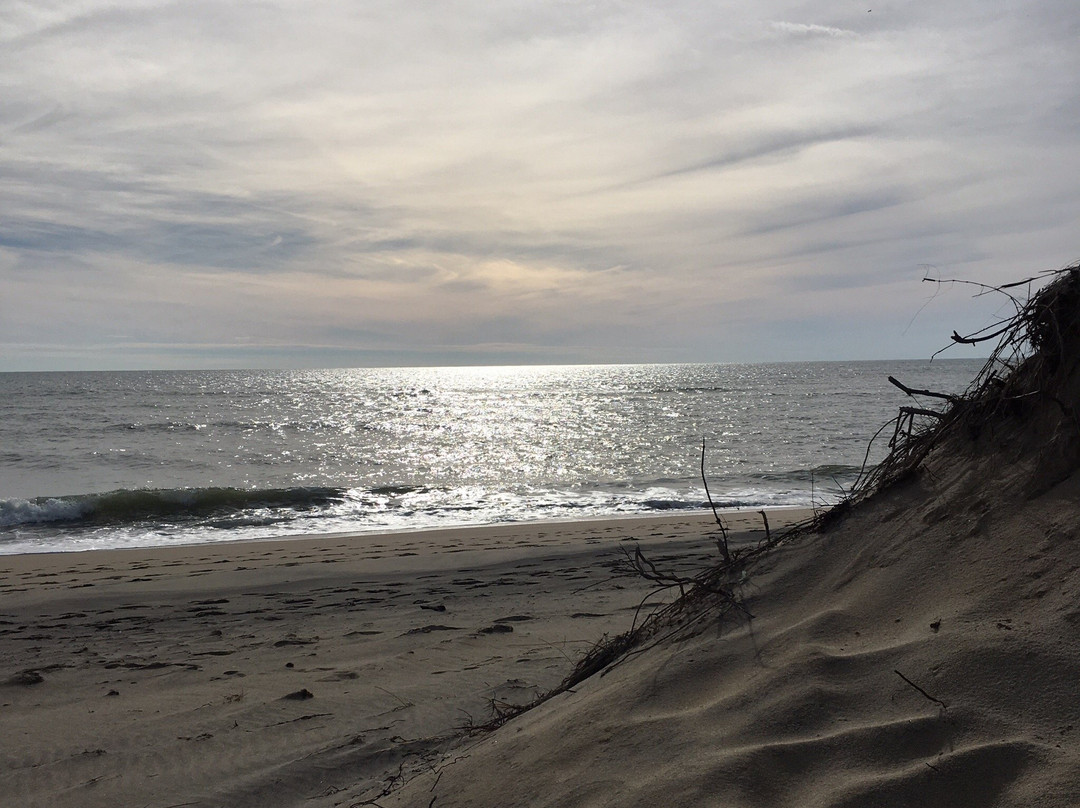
(922, 649)
(916, 655)
(301, 672)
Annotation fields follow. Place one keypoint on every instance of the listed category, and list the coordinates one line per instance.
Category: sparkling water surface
(146, 458)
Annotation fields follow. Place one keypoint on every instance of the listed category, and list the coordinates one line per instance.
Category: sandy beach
(916, 645)
(306, 671)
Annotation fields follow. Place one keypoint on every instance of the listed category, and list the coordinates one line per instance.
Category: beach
(306, 671)
(912, 645)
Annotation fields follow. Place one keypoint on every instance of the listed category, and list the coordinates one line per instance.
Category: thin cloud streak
(533, 181)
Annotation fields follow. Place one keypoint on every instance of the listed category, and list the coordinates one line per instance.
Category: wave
(150, 504)
(153, 517)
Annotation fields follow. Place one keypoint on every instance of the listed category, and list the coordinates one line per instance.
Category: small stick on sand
(944, 706)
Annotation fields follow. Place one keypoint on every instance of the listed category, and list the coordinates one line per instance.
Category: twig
(722, 545)
(404, 704)
(307, 717)
(972, 340)
(919, 411)
(765, 519)
(391, 784)
(944, 706)
(866, 458)
(839, 486)
(641, 605)
(984, 288)
(913, 392)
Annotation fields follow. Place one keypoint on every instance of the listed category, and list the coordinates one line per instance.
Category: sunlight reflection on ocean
(146, 458)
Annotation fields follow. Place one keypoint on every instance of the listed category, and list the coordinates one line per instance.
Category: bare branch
(913, 392)
(722, 545)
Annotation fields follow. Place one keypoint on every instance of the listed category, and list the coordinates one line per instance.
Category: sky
(346, 184)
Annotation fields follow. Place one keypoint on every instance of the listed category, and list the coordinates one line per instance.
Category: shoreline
(275, 672)
(739, 515)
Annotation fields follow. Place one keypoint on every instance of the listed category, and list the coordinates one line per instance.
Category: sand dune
(919, 650)
(804, 706)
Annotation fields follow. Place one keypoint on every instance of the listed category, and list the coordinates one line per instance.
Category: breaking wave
(173, 505)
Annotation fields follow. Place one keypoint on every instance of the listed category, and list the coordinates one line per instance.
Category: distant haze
(298, 184)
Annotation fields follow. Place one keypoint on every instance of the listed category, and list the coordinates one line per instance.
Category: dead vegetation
(1033, 365)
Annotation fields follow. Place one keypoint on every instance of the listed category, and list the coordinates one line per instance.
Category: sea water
(137, 459)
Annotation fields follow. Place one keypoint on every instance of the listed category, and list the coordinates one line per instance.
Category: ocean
(94, 460)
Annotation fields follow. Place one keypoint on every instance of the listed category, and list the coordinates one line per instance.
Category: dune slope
(922, 648)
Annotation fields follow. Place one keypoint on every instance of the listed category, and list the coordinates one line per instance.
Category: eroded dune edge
(918, 648)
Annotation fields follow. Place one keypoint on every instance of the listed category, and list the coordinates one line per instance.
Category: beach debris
(1031, 368)
(308, 717)
(292, 639)
(391, 783)
(402, 704)
(498, 628)
(25, 678)
(934, 699)
(299, 695)
(429, 629)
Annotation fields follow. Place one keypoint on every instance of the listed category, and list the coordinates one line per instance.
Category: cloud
(810, 29)
(611, 180)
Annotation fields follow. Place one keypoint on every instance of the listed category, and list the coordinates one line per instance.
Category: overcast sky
(267, 184)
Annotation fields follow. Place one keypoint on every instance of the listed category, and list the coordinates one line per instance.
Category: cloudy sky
(278, 183)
